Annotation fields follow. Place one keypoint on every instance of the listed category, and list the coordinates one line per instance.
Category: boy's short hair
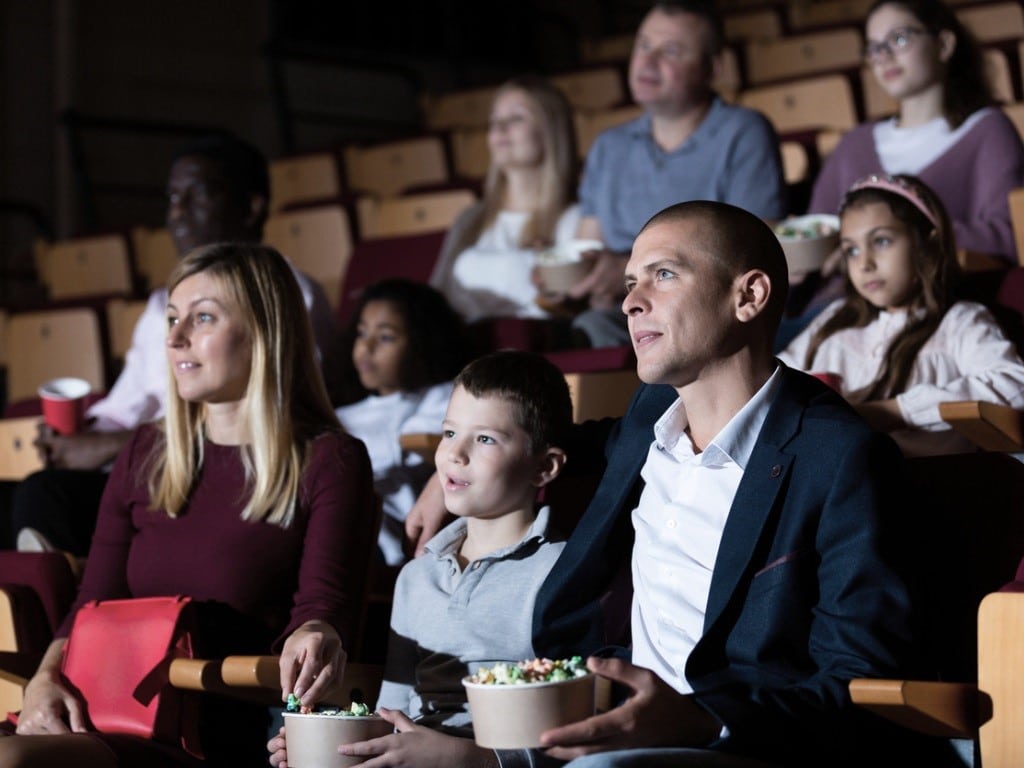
(533, 386)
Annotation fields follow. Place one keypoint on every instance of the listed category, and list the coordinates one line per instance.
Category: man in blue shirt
(688, 145)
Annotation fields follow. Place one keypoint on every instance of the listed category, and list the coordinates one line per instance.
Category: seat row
(803, 38)
(967, 564)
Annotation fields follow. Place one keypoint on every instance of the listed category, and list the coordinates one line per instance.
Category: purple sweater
(972, 178)
(277, 578)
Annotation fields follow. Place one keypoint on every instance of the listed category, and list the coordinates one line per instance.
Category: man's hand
(654, 715)
(87, 450)
(426, 518)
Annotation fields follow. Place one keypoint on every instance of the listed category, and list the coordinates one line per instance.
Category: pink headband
(897, 186)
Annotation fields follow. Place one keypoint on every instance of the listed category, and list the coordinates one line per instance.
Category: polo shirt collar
(641, 128)
(448, 540)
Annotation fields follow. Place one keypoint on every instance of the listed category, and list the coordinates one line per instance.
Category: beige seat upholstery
(803, 55)
(991, 22)
(411, 214)
(85, 266)
(389, 168)
(122, 315)
(50, 344)
(590, 90)
(468, 108)
(155, 255)
(303, 178)
(318, 241)
(807, 104)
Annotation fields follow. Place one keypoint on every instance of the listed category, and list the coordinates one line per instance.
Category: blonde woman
(528, 203)
(249, 497)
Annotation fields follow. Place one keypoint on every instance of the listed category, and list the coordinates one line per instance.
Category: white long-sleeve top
(491, 278)
(967, 358)
(398, 476)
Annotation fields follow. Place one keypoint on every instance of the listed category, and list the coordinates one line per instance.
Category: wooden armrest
(252, 671)
(991, 426)
(208, 676)
(949, 710)
(361, 682)
(422, 443)
(18, 454)
(974, 261)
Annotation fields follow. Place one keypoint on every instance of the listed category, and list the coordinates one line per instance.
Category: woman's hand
(311, 661)
(48, 706)
(416, 746)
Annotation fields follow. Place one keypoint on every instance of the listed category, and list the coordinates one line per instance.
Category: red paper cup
(834, 380)
(64, 404)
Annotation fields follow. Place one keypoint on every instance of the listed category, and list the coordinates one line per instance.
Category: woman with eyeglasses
(948, 131)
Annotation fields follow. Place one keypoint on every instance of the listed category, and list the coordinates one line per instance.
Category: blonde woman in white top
(898, 342)
(485, 264)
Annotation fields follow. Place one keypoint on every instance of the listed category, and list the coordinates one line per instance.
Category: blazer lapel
(763, 479)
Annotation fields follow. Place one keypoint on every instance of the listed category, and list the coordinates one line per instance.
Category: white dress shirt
(679, 522)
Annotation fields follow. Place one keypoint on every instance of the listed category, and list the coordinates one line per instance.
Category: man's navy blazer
(804, 594)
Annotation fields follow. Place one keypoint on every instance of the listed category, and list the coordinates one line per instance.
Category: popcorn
(356, 709)
(538, 670)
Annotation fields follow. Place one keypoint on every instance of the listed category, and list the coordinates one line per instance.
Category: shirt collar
(642, 127)
(735, 442)
(448, 540)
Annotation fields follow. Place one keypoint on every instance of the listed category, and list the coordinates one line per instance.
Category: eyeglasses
(895, 42)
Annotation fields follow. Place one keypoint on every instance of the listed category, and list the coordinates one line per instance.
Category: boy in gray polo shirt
(468, 600)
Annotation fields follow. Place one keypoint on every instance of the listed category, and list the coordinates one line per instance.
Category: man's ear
(715, 66)
(549, 466)
(258, 209)
(753, 289)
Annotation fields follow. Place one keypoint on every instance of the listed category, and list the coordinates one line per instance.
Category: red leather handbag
(118, 657)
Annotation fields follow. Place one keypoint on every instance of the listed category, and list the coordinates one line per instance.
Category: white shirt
(911, 150)
(967, 358)
(679, 522)
(140, 393)
(397, 476)
(491, 278)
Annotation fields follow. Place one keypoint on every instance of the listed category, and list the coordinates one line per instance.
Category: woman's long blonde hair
(558, 167)
(286, 403)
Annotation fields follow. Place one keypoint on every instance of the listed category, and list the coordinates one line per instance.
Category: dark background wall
(97, 93)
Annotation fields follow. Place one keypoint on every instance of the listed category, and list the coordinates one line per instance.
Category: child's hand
(276, 748)
(415, 746)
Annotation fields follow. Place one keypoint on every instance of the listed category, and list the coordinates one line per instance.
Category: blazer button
(775, 471)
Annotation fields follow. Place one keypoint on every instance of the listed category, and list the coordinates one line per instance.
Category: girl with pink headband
(898, 343)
